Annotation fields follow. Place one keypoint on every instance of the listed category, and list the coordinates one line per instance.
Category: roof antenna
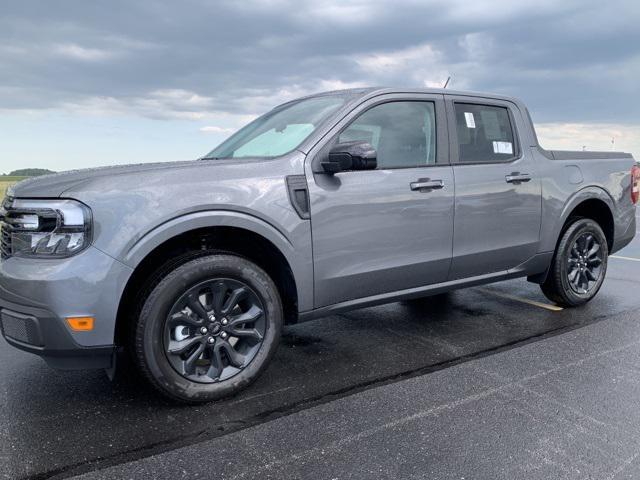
(447, 82)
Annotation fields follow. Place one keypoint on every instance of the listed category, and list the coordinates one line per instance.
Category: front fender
(296, 250)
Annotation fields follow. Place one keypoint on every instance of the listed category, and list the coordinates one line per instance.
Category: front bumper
(36, 296)
(40, 332)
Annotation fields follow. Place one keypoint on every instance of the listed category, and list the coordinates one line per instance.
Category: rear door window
(485, 133)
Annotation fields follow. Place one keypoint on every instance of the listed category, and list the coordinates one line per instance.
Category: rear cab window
(485, 133)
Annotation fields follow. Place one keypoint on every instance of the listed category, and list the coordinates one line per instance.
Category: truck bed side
(574, 182)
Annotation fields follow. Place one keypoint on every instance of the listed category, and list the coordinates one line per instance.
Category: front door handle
(426, 184)
(518, 178)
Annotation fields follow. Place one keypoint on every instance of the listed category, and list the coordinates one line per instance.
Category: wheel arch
(591, 202)
(594, 203)
(203, 233)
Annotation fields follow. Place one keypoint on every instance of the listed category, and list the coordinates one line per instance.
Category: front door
(388, 229)
(498, 196)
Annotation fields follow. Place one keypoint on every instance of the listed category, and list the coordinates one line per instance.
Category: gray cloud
(572, 61)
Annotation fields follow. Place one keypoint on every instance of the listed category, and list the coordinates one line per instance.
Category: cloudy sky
(86, 83)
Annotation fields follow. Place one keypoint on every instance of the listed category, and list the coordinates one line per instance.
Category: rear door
(498, 195)
(379, 231)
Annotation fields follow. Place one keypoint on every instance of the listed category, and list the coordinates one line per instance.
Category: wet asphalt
(60, 424)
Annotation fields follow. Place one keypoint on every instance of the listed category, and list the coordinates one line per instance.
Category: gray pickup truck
(327, 203)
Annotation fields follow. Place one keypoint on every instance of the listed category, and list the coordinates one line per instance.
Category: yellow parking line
(546, 306)
(625, 258)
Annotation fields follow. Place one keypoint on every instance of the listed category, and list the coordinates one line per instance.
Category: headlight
(44, 228)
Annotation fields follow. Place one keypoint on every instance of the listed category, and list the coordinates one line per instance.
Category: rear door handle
(518, 178)
(425, 185)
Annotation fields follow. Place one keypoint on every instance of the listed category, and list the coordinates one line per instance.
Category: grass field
(6, 182)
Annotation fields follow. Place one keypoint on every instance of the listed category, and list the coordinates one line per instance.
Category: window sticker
(471, 122)
(503, 147)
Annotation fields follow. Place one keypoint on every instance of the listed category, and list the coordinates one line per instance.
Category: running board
(537, 263)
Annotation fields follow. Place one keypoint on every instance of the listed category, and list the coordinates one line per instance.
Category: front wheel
(208, 328)
(579, 264)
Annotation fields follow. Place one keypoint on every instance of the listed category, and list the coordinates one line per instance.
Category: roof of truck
(373, 91)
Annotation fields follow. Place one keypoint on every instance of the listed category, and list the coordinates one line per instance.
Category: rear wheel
(579, 264)
(208, 328)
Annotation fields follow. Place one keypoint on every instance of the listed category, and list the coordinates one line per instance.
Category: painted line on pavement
(632, 259)
(546, 306)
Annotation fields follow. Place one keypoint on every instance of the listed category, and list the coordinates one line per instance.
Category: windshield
(281, 130)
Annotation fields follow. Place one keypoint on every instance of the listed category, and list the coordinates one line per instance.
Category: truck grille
(5, 246)
(5, 231)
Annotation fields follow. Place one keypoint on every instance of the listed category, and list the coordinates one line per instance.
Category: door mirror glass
(350, 156)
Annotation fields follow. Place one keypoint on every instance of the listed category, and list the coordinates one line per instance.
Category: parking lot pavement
(562, 408)
(64, 423)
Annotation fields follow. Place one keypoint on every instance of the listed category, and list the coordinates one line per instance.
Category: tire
(575, 275)
(208, 328)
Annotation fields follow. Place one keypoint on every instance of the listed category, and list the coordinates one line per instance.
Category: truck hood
(54, 185)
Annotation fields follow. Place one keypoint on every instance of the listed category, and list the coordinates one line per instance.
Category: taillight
(635, 183)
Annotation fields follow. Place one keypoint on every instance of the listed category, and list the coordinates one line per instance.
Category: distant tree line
(28, 172)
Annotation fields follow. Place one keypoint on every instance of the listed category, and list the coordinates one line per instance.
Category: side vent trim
(299, 195)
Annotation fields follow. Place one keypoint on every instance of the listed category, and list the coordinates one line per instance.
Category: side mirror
(350, 156)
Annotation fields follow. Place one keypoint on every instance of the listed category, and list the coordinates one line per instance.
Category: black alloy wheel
(208, 328)
(584, 263)
(214, 330)
(579, 264)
